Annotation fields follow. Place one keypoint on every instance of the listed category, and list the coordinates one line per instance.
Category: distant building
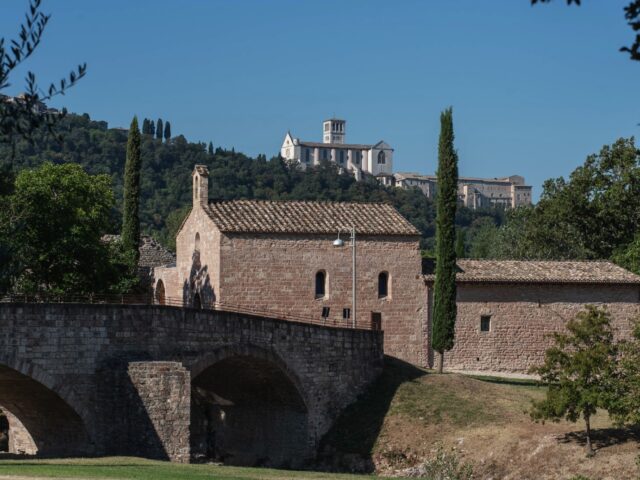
(507, 192)
(374, 159)
(37, 106)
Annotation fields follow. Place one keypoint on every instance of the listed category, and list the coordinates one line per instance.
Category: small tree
(444, 296)
(130, 217)
(152, 128)
(579, 371)
(210, 149)
(159, 130)
(167, 131)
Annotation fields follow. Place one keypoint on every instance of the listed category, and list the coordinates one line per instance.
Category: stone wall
(20, 441)
(521, 318)
(74, 374)
(277, 273)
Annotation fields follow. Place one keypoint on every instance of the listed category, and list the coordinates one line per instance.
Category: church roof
(257, 216)
(352, 146)
(540, 271)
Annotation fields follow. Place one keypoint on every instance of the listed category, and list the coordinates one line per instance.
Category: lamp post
(338, 242)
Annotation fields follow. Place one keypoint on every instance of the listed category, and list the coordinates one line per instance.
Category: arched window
(160, 295)
(381, 157)
(383, 285)
(196, 246)
(197, 303)
(321, 284)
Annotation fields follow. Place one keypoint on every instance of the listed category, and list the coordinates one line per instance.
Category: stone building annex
(278, 257)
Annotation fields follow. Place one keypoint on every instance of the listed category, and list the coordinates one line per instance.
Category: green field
(139, 469)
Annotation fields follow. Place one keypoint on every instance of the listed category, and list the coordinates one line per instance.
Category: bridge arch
(45, 422)
(248, 408)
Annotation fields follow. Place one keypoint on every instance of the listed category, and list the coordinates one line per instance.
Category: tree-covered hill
(166, 176)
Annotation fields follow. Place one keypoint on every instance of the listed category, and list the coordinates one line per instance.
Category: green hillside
(167, 167)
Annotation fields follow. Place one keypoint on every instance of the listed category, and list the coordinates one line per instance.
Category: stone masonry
(176, 383)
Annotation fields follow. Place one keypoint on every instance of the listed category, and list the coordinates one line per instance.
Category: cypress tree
(130, 218)
(145, 126)
(444, 295)
(210, 148)
(159, 129)
(167, 131)
(152, 128)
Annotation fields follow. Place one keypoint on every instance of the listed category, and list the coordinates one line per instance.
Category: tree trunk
(587, 421)
(441, 362)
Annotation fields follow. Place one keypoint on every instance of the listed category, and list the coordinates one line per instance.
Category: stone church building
(279, 259)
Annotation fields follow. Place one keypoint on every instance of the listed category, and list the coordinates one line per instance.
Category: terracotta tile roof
(540, 271)
(254, 216)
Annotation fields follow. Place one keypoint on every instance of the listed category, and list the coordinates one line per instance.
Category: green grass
(141, 469)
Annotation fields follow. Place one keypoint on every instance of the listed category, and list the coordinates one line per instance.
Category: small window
(197, 303)
(307, 154)
(321, 284)
(346, 313)
(485, 323)
(383, 285)
(325, 154)
(341, 156)
(196, 246)
(381, 157)
(376, 321)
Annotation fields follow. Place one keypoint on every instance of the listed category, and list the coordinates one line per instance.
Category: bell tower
(333, 131)
(200, 185)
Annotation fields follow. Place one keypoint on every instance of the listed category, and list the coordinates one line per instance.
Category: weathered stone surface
(87, 373)
(522, 317)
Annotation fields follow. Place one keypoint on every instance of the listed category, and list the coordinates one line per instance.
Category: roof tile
(255, 216)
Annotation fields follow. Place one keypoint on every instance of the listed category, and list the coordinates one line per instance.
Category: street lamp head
(338, 242)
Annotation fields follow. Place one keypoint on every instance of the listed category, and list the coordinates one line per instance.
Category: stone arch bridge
(175, 383)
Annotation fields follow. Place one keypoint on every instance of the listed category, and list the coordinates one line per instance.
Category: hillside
(408, 412)
(166, 176)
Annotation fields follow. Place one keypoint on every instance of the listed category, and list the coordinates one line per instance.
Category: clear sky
(534, 89)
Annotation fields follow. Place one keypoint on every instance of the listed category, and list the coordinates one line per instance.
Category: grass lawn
(141, 469)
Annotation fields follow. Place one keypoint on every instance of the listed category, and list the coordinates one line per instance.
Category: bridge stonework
(178, 384)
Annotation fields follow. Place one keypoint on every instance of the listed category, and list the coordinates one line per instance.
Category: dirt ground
(503, 442)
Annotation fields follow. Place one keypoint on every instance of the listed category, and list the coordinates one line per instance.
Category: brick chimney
(200, 185)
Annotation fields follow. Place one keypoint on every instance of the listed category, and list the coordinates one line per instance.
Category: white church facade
(374, 159)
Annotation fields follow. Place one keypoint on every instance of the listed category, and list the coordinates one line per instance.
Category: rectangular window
(346, 313)
(376, 321)
(341, 156)
(307, 154)
(485, 323)
(324, 154)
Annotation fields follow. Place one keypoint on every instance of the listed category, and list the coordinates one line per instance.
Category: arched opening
(383, 285)
(196, 247)
(39, 421)
(321, 284)
(160, 298)
(246, 410)
(381, 157)
(197, 303)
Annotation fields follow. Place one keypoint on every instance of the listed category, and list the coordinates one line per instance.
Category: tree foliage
(594, 214)
(167, 131)
(131, 202)
(579, 371)
(53, 223)
(631, 14)
(22, 118)
(444, 308)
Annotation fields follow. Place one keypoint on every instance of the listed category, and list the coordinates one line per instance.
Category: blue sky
(534, 89)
